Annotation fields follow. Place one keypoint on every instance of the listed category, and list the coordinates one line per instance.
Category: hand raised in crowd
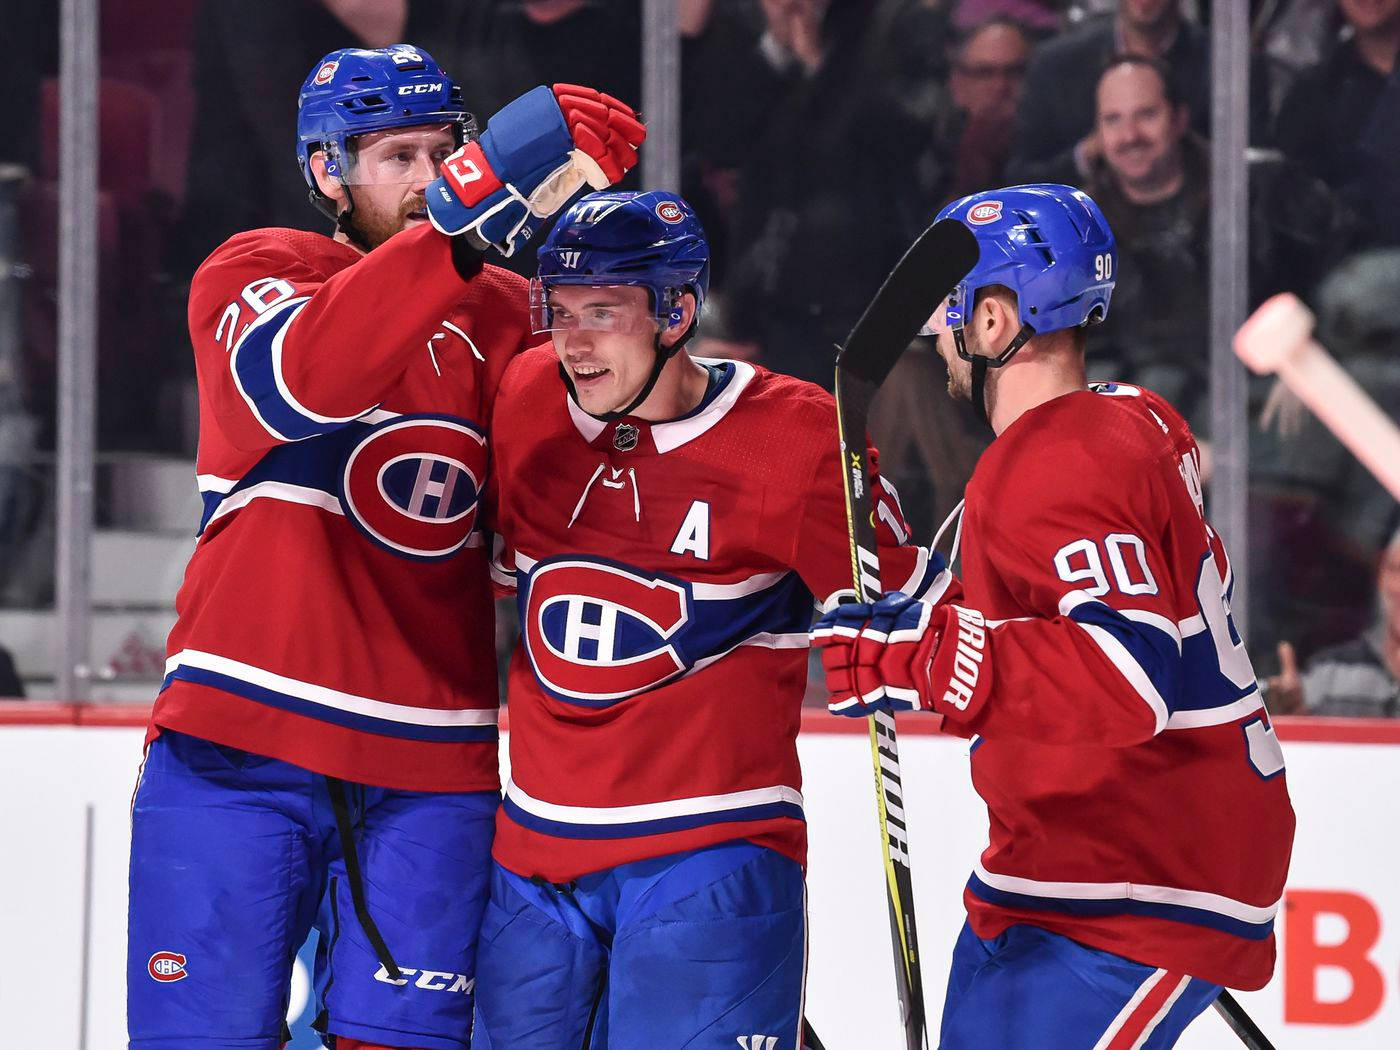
(1285, 689)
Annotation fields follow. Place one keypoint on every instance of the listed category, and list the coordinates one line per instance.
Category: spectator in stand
(988, 73)
(1056, 137)
(1340, 121)
(1359, 678)
(816, 239)
(1152, 181)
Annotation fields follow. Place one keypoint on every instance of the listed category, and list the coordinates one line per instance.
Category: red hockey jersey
(665, 576)
(1133, 781)
(337, 611)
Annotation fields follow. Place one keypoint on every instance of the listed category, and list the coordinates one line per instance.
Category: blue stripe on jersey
(660, 826)
(1151, 648)
(256, 372)
(1252, 931)
(313, 464)
(324, 713)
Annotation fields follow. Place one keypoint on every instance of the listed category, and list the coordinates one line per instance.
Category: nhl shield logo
(625, 437)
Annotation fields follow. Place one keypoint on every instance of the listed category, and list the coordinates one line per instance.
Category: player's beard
(375, 227)
(959, 371)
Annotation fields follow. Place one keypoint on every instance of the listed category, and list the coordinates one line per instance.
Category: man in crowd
(1359, 678)
(1153, 183)
(1056, 136)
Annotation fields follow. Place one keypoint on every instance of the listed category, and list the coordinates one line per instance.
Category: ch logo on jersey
(411, 484)
(167, 967)
(597, 632)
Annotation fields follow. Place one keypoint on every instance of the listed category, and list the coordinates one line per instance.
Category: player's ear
(328, 184)
(675, 331)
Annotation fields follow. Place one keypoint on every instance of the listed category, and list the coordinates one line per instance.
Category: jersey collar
(672, 434)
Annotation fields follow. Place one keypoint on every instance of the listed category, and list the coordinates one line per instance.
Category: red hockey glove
(901, 654)
(534, 155)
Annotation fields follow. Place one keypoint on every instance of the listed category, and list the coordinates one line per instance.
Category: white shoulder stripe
(1130, 669)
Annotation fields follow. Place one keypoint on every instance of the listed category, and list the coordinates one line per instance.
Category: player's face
(1140, 130)
(605, 336)
(388, 175)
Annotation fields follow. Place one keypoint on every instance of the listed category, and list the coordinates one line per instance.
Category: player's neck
(680, 388)
(1027, 384)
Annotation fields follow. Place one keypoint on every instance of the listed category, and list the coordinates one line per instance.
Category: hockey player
(667, 523)
(1140, 821)
(323, 751)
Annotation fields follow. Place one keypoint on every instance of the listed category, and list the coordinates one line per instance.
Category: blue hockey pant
(235, 856)
(704, 950)
(1029, 989)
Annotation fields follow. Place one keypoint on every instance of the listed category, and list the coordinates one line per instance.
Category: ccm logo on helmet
(987, 211)
(166, 967)
(670, 211)
(419, 89)
(324, 74)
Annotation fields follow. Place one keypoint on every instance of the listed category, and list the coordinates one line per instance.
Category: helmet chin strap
(981, 362)
(663, 354)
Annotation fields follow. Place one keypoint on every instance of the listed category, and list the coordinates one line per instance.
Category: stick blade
(931, 268)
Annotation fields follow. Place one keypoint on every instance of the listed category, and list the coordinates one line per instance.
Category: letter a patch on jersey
(694, 535)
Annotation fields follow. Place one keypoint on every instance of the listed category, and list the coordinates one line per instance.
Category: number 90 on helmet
(650, 239)
(1048, 243)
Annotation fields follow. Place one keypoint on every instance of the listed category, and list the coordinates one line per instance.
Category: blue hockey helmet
(650, 239)
(354, 91)
(1050, 244)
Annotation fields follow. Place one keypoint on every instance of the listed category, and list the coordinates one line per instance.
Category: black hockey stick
(1241, 1023)
(923, 278)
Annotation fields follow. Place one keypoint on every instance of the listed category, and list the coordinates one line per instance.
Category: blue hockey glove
(534, 155)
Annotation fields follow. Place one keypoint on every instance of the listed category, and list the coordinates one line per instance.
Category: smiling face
(1140, 129)
(605, 336)
(386, 176)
